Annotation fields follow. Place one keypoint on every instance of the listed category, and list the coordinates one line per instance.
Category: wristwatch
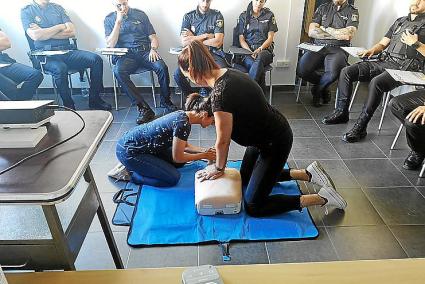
(219, 169)
(416, 45)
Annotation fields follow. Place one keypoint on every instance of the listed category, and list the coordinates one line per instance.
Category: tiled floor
(385, 217)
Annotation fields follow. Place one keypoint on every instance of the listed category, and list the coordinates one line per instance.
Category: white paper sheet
(239, 50)
(176, 50)
(310, 47)
(4, 65)
(407, 77)
(50, 52)
(354, 51)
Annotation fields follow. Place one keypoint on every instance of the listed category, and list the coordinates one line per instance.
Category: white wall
(166, 17)
(376, 17)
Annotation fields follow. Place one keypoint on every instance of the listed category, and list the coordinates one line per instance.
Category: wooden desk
(358, 272)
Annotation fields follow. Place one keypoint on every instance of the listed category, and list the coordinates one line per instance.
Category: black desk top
(51, 177)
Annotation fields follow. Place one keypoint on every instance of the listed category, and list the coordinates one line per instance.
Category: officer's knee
(395, 104)
(160, 66)
(37, 76)
(120, 72)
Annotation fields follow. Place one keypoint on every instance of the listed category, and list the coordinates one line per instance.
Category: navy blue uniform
(256, 31)
(134, 35)
(331, 57)
(59, 65)
(146, 150)
(13, 74)
(212, 22)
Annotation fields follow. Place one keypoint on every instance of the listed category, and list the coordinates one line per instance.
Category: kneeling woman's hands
(210, 154)
(210, 173)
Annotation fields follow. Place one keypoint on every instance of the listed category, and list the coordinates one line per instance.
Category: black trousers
(261, 169)
(332, 59)
(367, 71)
(401, 106)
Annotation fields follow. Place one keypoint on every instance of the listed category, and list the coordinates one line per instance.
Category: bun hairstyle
(195, 102)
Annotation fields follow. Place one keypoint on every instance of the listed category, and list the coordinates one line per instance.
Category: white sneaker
(319, 175)
(334, 199)
(119, 172)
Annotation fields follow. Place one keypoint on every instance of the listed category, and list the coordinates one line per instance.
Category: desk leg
(88, 176)
(58, 235)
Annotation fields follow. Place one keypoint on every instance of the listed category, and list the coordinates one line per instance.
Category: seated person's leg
(220, 61)
(124, 67)
(79, 60)
(8, 88)
(30, 77)
(307, 69)
(59, 71)
(334, 63)
(263, 59)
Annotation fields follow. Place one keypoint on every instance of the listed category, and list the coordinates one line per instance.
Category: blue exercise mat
(168, 216)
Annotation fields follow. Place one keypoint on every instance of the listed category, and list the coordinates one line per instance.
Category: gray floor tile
(365, 171)
(313, 148)
(368, 242)
(95, 254)
(104, 153)
(294, 111)
(208, 133)
(120, 115)
(411, 239)
(103, 182)
(359, 212)
(398, 206)
(177, 256)
(336, 130)
(363, 149)
(124, 128)
(241, 253)
(318, 250)
(319, 112)
(384, 143)
(112, 133)
(412, 176)
(305, 128)
(195, 132)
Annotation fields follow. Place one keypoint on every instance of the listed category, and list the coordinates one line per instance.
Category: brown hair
(196, 57)
(195, 102)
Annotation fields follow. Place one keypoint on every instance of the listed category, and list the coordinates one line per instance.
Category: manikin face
(204, 5)
(121, 5)
(417, 7)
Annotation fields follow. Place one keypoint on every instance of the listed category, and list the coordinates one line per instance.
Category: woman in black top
(242, 114)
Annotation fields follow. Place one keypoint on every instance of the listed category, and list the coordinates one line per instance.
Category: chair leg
(153, 88)
(354, 96)
(55, 91)
(70, 83)
(387, 99)
(336, 97)
(299, 90)
(114, 82)
(396, 137)
(422, 174)
(271, 88)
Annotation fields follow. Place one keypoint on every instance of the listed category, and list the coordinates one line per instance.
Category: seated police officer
(48, 25)
(334, 25)
(130, 28)
(205, 25)
(401, 43)
(410, 110)
(257, 27)
(12, 74)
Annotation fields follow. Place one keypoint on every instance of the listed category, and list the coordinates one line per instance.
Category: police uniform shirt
(400, 50)
(256, 31)
(51, 15)
(135, 29)
(327, 15)
(5, 59)
(212, 22)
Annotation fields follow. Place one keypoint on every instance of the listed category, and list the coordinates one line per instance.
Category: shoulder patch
(219, 23)
(354, 18)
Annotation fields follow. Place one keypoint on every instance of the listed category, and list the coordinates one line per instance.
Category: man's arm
(38, 34)
(341, 34)
(4, 42)
(314, 31)
(113, 36)
(66, 34)
(187, 37)
(215, 40)
(411, 39)
(377, 48)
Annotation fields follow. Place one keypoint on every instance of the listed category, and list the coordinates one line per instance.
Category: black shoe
(316, 96)
(145, 115)
(414, 161)
(168, 105)
(337, 117)
(358, 132)
(99, 104)
(326, 97)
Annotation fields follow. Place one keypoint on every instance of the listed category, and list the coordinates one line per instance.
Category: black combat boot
(358, 132)
(337, 117)
(146, 115)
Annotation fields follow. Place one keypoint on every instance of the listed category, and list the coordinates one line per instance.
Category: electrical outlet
(282, 63)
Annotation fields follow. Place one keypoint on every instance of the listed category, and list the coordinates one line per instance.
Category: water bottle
(84, 85)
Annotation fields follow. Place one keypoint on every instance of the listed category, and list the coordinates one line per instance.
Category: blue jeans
(184, 83)
(128, 64)
(256, 66)
(154, 170)
(59, 65)
(15, 74)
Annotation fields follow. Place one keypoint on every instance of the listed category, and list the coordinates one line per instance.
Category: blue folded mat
(168, 216)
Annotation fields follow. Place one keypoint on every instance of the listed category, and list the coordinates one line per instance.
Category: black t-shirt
(255, 121)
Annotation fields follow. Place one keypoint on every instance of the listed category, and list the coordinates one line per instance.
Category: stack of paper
(49, 52)
(310, 47)
(112, 51)
(4, 65)
(21, 138)
(408, 77)
(176, 50)
(238, 50)
(354, 51)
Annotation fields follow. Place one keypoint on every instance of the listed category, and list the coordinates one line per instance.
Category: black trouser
(401, 106)
(261, 169)
(373, 72)
(332, 59)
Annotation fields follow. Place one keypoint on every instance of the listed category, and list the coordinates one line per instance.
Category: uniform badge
(193, 29)
(219, 23)
(137, 22)
(274, 21)
(38, 19)
(354, 18)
